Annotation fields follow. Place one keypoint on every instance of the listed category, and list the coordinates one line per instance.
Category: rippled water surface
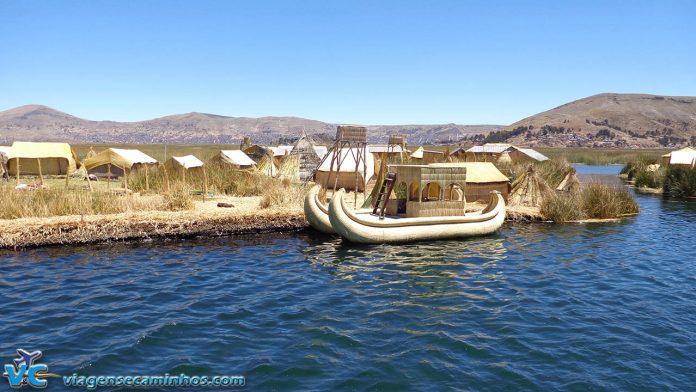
(536, 307)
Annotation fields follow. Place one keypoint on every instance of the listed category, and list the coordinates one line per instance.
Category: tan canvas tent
(347, 175)
(235, 158)
(118, 159)
(51, 158)
(481, 179)
(185, 162)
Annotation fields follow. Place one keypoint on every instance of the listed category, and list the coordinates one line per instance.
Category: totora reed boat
(373, 229)
(429, 205)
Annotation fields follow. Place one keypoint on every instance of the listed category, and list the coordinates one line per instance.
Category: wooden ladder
(383, 196)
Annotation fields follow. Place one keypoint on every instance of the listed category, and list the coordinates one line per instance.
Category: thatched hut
(529, 190)
(267, 166)
(422, 156)
(570, 182)
(308, 155)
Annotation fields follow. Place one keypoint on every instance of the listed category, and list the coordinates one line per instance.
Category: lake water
(535, 307)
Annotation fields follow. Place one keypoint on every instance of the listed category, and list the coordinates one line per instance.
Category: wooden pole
(147, 179)
(205, 183)
(125, 178)
(108, 184)
(38, 163)
(89, 183)
(17, 171)
(166, 178)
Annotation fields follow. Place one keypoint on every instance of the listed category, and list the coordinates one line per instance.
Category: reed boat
(317, 213)
(373, 229)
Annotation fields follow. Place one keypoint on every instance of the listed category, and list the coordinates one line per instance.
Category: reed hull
(369, 229)
(316, 213)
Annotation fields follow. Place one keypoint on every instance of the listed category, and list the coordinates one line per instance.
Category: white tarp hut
(347, 176)
(235, 158)
(185, 162)
(683, 157)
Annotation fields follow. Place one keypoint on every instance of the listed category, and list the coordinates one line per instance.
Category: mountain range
(603, 120)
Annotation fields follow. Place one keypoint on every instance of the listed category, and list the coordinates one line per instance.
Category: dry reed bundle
(267, 167)
(290, 168)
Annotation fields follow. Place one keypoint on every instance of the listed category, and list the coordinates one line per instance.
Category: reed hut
(570, 182)
(352, 171)
(41, 158)
(232, 158)
(422, 156)
(481, 179)
(529, 190)
(309, 156)
(290, 168)
(183, 165)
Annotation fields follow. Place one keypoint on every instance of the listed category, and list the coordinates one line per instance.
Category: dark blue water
(536, 307)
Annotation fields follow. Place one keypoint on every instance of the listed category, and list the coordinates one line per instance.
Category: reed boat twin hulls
(434, 208)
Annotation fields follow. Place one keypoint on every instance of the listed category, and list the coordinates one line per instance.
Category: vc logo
(24, 371)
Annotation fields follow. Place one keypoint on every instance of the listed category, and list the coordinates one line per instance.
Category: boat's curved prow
(316, 213)
(369, 229)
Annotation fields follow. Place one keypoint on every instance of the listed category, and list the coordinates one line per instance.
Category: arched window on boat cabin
(432, 192)
(413, 192)
(454, 192)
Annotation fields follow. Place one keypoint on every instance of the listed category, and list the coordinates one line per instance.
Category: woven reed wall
(351, 133)
(435, 208)
(345, 180)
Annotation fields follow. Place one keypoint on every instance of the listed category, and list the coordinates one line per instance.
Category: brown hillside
(610, 120)
(41, 123)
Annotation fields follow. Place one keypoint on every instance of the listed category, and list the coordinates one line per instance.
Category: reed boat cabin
(423, 190)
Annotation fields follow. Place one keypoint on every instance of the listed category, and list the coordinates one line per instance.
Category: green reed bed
(596, 156)
(680, 182)
(593, 201)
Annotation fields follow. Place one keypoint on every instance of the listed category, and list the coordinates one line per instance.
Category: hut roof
(5, 149)
(187, 162)
(689, 148)
(418, 154)
(123, 158)
(529, 190)
(41, 150)
(236, 157)
(494, 148)
(477, 172)
(682, 157)
(534, 154)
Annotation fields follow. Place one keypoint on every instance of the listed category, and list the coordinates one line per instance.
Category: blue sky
(364, 62)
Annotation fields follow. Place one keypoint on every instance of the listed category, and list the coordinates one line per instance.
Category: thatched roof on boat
(529, 190)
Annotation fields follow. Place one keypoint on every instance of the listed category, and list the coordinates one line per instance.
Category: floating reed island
(50, 197)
